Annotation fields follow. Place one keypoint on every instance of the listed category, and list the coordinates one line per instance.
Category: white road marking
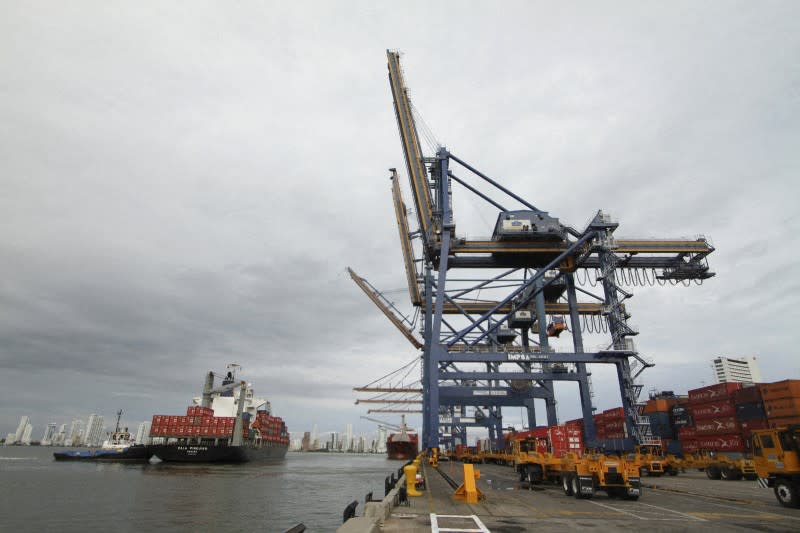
(436, 529)
(615, 509)
(772, 513)
(673, 511)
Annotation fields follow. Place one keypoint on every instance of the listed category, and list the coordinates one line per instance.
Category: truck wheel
(730, 473)
(566, 482)
(523, 473)
(786, 493)
(713, 472)
(672, 472)
(636, 484)
(576, 487)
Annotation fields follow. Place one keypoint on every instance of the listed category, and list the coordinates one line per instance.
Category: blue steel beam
(552, 265)
(610, 356)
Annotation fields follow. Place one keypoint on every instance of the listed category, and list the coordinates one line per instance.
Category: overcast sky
(184, 183)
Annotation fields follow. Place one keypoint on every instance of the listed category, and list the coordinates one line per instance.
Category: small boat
(120, 446)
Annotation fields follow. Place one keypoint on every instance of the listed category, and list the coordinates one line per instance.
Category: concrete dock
(687, 502)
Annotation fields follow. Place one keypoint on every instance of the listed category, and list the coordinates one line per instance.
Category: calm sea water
(40, 494)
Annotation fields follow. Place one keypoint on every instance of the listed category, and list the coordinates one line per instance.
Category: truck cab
(776, 453)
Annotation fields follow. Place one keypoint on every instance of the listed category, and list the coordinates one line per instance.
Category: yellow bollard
(468, 491)
(435, 457)
(410, 472)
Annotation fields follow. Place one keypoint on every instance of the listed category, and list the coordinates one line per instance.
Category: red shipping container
(722, 425)
(614, 435)
(748, 426)
(615, 425)
(722, 443)
(713, 409)
(616, 412)
(687, 433)
(689, 446)
(721, 391)
(747, 395)
(578, 422)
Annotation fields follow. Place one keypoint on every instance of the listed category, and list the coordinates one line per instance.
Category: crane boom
(411, 148)
(405, 240)
(376, 298)
(382, 423)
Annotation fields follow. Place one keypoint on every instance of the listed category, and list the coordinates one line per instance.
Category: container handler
(617, 476)
(535, 466)
(728, 466)
(655, 462)
(776, 454)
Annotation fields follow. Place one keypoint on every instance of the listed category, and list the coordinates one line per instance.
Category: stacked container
(750, 410)
(271, 428)
(199, 422)
(781, 402)
(614, 423)
(566, 438)
(714, 413)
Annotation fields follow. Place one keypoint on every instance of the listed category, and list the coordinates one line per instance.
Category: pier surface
(687, 502)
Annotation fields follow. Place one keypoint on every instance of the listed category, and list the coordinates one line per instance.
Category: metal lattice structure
(483, 354)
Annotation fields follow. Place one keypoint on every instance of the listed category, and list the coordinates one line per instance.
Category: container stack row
(725, 415)
(191, 426)
(782, 402)
(271, 428)
(610, 424)
(558, 440)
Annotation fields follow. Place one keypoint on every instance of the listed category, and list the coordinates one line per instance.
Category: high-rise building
(94, 431)
(24, 421)
(306, 442)
(49, 434)
(348, 438)
(26, 435)
(736, 370)
(143, 433)
(61, 436)
(381, 444)
(75, 437)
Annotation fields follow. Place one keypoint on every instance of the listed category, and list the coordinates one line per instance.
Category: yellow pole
(410, 472)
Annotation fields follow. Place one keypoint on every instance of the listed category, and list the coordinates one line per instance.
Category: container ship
(227, 424)
(403, 445)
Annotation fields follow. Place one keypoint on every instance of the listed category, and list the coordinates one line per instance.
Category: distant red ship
(403, 445)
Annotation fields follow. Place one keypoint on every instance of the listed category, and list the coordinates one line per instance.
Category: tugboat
(403, 445)
(227, 424)
(120, 446)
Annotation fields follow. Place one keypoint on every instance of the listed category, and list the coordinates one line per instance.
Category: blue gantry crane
(490, 307)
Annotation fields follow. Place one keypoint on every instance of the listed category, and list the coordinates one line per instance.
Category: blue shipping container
(751, 411)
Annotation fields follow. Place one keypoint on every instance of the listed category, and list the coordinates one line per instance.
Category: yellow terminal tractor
(617, 476)
(776, 453)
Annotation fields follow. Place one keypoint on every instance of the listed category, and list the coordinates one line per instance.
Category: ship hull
(403, 451)
(134, 454)
(210, 453)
